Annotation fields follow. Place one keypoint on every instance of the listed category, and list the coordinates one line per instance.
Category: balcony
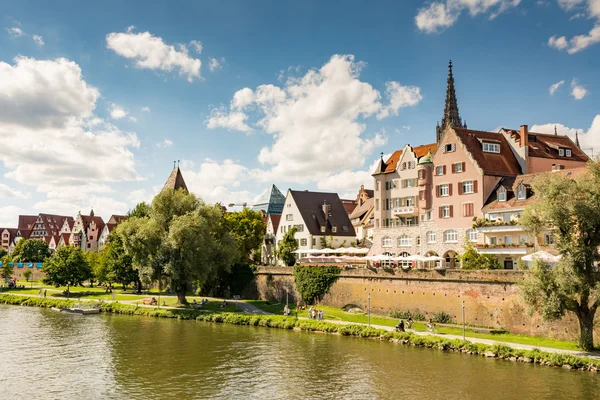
(405, 211)
(516, 249)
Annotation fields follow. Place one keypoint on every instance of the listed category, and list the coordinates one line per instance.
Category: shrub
(415, 314)
(314, 282)
(442, 317)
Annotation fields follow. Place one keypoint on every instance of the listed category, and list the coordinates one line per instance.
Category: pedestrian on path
(45, 291)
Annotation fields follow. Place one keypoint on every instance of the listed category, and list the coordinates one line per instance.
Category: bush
(314, 282)
(415, 314)
(442, 317)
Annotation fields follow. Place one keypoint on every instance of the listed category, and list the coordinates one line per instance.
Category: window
(468, 210)
(314, 242)
(472, 235)
(289, 217)
(467, 187)
(411, 165)
(376, 204)
(404, 241)
(548, 239)
(568, 152)
(430, 237)
(493, 240)
(446, 212)
(428, 215)
(387, 241)
(501, 195)
(409, 183)
(507, 239)
(444, 190)
(323, 229)
(403, 166)
(303, 242)
(450, 236)
(344, 228)
(561, 152)
(376, 223)
(450, 147)
(421, 195)
(439, 170)
(523, 239)
(521, 192)
(300, 228)
(457, 168)
(418, 240)
(334, 229)
(289, 204)
(491, 147)
(410, 201)
(377, 185)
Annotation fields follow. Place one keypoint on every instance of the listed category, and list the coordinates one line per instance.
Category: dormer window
(521, 192)
(334, 229)
(501, 194)
(561, 152)
(568, 152)
(323, 228)
(491, 147)
(449, 147)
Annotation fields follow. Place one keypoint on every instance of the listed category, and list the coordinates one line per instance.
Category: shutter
(460, 188)
(451, 211)
(441, 212)
(444, 170)
(449, 189)
(453, 168)
(475, 186)
(464, 165)
(437, 191)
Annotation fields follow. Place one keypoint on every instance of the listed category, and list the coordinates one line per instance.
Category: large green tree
(2, 253)
(35, 250)
(570, 205)
(6, 270)
(117, 265)
(287, 247)
(67, 267)
(248, 228)
(472, 259)
(182, 240)
(141, 210)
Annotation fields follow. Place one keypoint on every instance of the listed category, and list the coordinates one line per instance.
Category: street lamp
(369, 309)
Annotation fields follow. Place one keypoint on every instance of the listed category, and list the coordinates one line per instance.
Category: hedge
(275, 321)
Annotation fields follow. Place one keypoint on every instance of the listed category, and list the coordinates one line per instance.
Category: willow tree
(570, 204)
(181, 240)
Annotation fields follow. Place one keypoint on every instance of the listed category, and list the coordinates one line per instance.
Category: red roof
(420, 151)
(275, 218)
(543, 145)
(497, 164)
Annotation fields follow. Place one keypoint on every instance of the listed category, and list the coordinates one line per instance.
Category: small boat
(78, 310)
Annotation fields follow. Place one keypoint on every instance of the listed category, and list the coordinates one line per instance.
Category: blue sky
(100, 98)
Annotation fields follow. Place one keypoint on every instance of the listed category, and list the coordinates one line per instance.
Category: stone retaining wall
(491, 298)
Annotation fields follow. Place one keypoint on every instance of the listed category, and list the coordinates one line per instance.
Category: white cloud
(558, 43)
(117, 112)
(567, 5)
(554, 87)
(140, 195)
(442, 14)
(165, 143)
(38, 40)
(9, 216)
(50, 137)
(15, 32)
(145, 109)
(587, 139)
(215, 64)
(580, 42)
(151, 52)
(132, 119)
(71, 203)
(317, 120)
(196, 45)
(6, 191)
(578, 91)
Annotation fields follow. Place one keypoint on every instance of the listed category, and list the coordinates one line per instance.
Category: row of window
(284, 229)
(466, 187)
(449, 236)
(400, 222)
(447, 211)
(398, 202)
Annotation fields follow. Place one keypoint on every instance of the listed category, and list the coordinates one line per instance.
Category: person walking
(45, 291)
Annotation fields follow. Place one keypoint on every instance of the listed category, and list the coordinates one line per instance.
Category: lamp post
(369, 308)
(463, 318)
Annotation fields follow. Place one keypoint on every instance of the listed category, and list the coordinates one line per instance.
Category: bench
(146, 301)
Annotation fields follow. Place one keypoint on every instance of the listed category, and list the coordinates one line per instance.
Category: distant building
(270, 202)
(86, 231)
(175, 180)
(113, 221)
(362, 217)
(270, 242)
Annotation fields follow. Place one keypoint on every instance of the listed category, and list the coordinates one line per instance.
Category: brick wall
(491, 298)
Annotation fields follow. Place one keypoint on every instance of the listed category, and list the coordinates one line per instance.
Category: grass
(273, 321)
(332, 313)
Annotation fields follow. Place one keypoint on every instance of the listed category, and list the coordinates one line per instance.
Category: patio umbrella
(541, 256)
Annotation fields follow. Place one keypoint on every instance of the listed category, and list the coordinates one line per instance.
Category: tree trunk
(181, 297)
(586, 329)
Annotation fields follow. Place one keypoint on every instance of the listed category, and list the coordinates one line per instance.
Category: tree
(182, 240)
(471, 259)
(314, 282)
(7, 270)
(116, 263)
(94, 261)
(68, 266)
(27, 275)
(571, 205)
(287, 247)
(141, 210)
(31, 250)
(3, 253)
(248, 228)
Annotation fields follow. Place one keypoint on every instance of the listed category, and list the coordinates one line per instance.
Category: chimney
(325, 208)
(524, 134)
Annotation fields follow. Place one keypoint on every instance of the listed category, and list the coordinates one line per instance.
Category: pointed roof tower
(577, 139)
(271, 201)
(175, 180)
(451, 116)
(380, 166)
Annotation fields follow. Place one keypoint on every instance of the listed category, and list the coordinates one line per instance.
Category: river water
(50, 355)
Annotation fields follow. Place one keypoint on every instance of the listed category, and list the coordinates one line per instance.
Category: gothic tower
(451, 116)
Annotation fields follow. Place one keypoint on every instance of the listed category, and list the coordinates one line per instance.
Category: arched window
(386, 241)
(450, 236)
(404, 241)
(472, 235)
(431, 237)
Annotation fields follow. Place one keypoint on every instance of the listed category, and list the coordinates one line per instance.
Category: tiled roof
(512, 182)
(175, 180)
(116, 219)
(361, 210)
(275, 218)
(87, 220)
(349, 205)
(26, 221)
(543, 145)
(310, 205)
(392, 163)
(110, 226)
(503, 164)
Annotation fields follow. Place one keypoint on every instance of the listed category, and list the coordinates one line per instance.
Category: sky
(99, 98)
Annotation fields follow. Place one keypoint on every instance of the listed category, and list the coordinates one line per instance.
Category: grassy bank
(275, 321)
(361, 318)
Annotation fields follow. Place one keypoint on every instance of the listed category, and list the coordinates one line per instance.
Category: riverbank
(498, 351)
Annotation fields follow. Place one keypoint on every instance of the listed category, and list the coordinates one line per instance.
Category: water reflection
(49, 355)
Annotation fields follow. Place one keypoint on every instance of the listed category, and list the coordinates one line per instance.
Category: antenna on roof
(177, 163)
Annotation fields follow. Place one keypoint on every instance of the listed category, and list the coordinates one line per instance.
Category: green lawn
(332, 313)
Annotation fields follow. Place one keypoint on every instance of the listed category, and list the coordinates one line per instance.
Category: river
(50, 355)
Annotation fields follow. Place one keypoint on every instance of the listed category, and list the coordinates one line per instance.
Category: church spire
(451, 116)
(577, 139)
(555, 133)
